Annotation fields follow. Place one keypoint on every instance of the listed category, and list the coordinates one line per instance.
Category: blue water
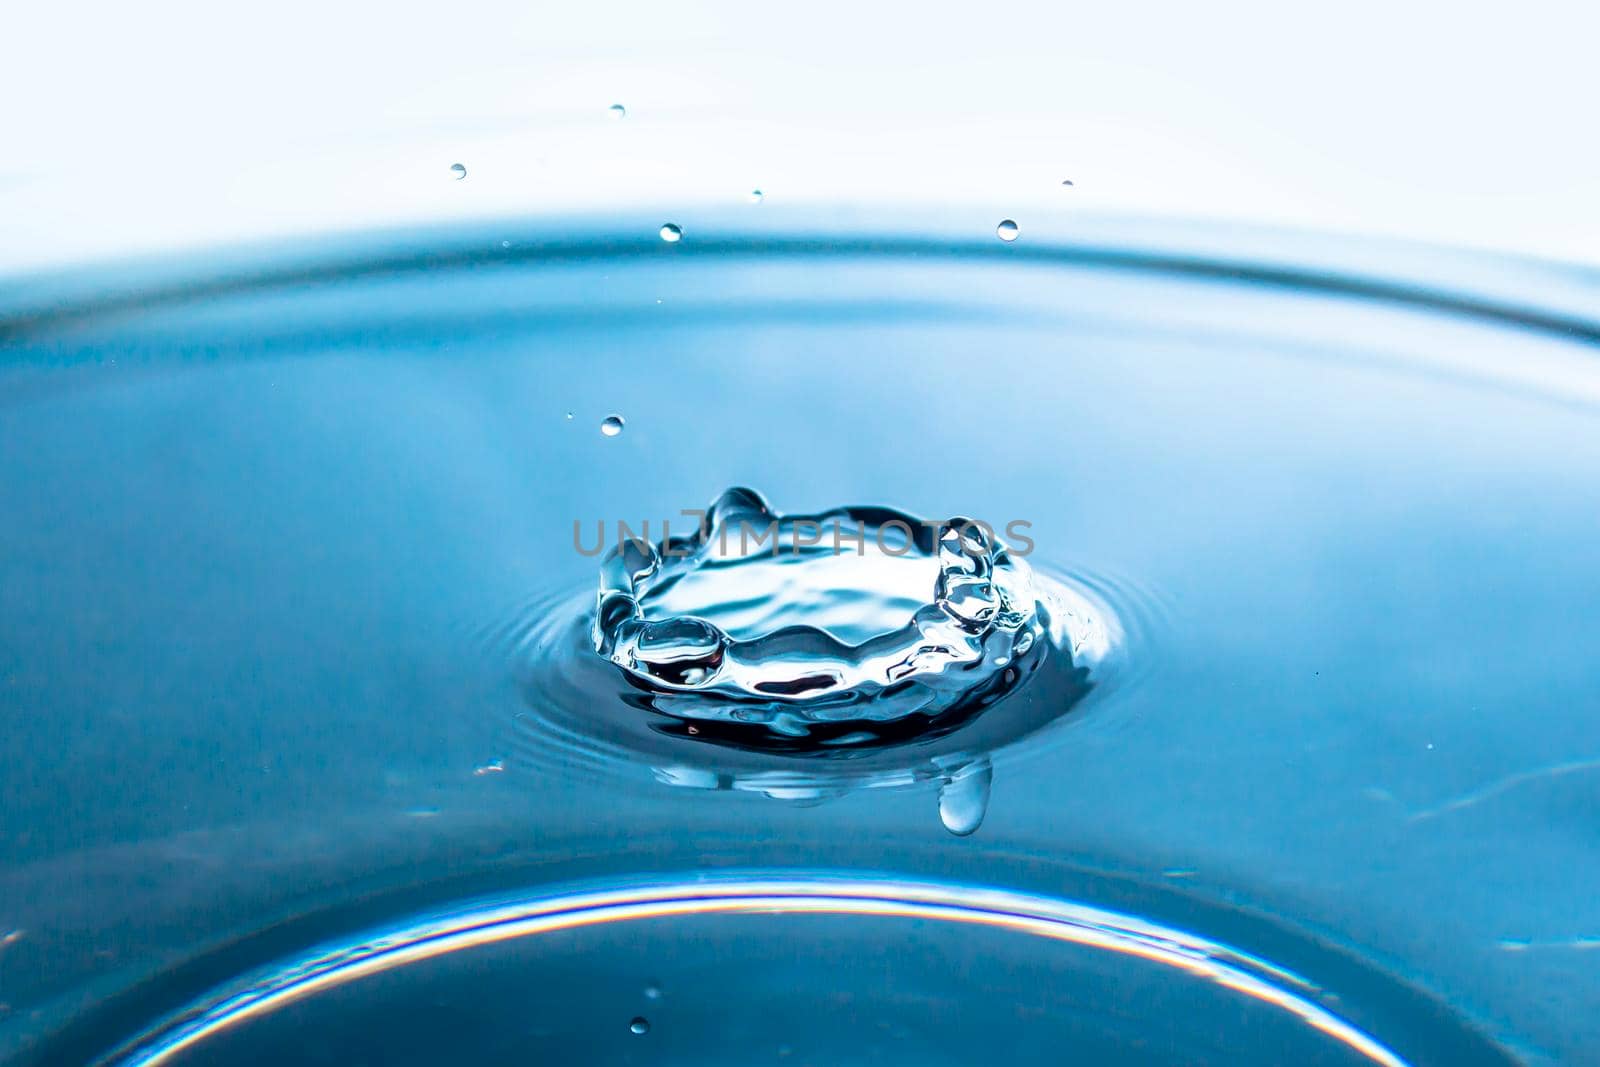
(291, 626)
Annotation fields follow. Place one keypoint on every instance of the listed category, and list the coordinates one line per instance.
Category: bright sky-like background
(137, 127)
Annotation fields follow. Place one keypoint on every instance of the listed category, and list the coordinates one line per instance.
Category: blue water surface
(269, 516)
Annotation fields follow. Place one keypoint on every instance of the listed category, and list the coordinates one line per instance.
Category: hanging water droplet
(458, 170)
(756, 196)
(1007, 230)
(617, 111)
(671, 232)
(964, 797)
(640, 1025)
(612, 425)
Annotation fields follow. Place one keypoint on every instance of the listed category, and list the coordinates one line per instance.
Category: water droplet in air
(652, 992)
(671, 232)
(612, 425)
(756, 196)
(494, 766)
(618, 111)
(964, 797)
(640, 1025)
(569, 416)
(1066, 181)
(1007, 230)
(458, 170)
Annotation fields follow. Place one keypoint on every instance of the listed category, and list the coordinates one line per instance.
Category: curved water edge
(1177, 956)
(1530, 294)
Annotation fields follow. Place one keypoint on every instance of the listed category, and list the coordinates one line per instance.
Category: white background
(132, 127)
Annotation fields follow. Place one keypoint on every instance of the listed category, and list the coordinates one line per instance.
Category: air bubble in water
(964, 797)
(671, 232)
(640, 1025)
(1007, 230)
(612, 425)
(458, 170)
(618, 111)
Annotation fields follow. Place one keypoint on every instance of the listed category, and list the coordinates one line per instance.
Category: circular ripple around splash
(1050, 973)
(582, 713)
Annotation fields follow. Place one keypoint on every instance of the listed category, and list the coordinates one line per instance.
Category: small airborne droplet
(494, 766)
(640, 1025)
(612, 425)
(618, 111)
(1007, 230)
(569, 416)
(458, 170)
(652, 992)
(1066, 181)
(671, 232)
(756, 196)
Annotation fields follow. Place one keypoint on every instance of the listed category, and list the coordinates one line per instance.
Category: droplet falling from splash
(617, 111)
(640, 1025)
(1007, 230)
(756, 196)
(964, 797)
(671, 232)
(612, 425)
(458, 170)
